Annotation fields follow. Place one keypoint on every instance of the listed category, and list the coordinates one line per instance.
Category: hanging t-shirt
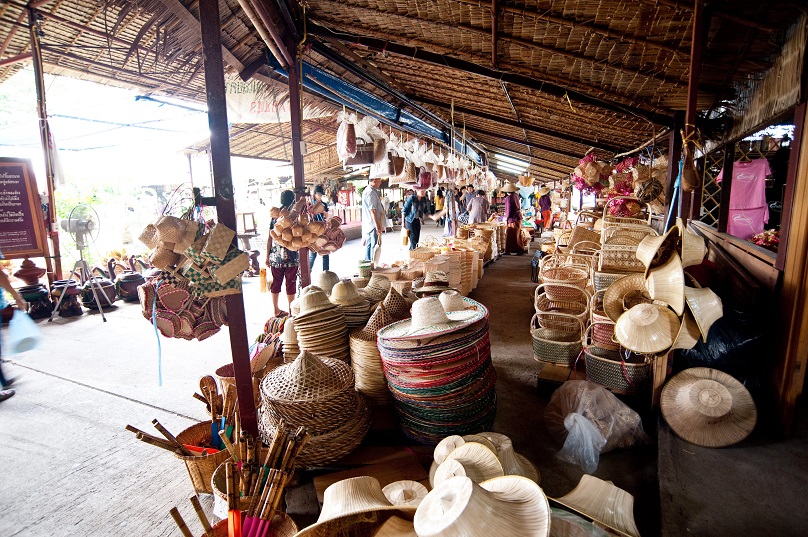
(748, 183)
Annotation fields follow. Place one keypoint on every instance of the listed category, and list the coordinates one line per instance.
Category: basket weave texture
(201, 468)
(606, 368)
(558, 347)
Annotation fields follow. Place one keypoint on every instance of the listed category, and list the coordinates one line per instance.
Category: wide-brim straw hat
(312, 299)
(452, 300)
(345, 499)
(396, 527)
(508, 505)
(509, 187)
(693, 247)
(326, 280)
(435, 281)
(345, 293)
(647, 329)
(405, 493)
(667, 283)
(624, 293)
(604, 503)
(706, 307)
(653, 251)
(429, 320)
(708, 407)
(544, 190)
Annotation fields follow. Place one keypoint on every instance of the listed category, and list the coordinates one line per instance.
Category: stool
(245, 240)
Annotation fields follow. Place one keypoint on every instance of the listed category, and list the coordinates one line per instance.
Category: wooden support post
(674, 156)
(47, 148)
(296, 118)
(726, 186)
(225, 207)
(696, 46)
(800, 113)
(494, 14)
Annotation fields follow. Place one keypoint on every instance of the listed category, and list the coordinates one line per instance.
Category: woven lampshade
(513, 463)
(708, 407)
(693, 247)
(653, 251)
(396, 527)
(667, 283)
(479, 462)
(604, 503)
(706, 307)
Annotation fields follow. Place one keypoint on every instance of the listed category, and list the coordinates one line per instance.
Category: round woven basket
(559, 279)
(201, 468)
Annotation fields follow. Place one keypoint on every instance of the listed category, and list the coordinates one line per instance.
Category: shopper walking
(439, 204)
(514, 240)
(415, 208)
(5, 284)
(545, 206)
(372, 214)
(282, 262)
(320, 216)
(468, 195)
(478, 208)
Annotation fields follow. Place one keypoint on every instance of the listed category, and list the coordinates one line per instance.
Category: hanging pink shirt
(748, 210)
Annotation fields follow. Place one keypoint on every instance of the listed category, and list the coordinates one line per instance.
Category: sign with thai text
(22, 227)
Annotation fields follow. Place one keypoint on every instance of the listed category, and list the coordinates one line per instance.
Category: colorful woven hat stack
(366, 361)
(352, 304)
(320, 325)
(438, 369)
(318, 394)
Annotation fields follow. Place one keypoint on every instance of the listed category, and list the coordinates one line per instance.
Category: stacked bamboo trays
(448, 263)
(502, 230)
(442, 385)
(422, 253)
(366, 361)
(318, 394)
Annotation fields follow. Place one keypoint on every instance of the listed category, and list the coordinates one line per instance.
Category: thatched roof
(561, 77)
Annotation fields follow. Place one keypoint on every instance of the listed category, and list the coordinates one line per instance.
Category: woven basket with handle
(200, 468)
(547, 309)
(617, 370)
(602, 325)
(556, 346)
(562, 283)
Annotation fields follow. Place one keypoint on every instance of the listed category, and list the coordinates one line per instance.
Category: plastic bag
(618, 425)
(346, 140)
(23, 333)
(564, 524)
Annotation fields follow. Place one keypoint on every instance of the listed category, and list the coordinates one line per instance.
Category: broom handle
(171, 438)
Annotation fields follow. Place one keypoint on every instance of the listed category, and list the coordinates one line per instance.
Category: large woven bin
(560, 280)
(201, 468)
(554, 346)
(610, 369)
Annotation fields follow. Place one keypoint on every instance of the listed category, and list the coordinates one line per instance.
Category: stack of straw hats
(316, 393)
(439, 371)
(366, 361)
(289, 340)
(326, 280)
(320, 325)
(352, 304)
(479, 456)
(376, 289)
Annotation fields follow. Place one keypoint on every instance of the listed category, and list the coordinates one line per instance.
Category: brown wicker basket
(581, 233)
(564, 283)
(602, 325)
(201, 468)
(602, 280)
(611, 369)
(548, 310)
(558, 347)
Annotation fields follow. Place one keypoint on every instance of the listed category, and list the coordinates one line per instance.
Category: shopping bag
(23, 333)
(405, 236)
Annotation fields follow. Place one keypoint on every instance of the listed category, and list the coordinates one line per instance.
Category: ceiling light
(510, 167)
(510, 160)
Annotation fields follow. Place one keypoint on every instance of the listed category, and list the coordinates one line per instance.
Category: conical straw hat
(396, 527)
(647, 328)
(479, 462)
(508, 505)
(693, 247)
(308, 378)
(708, 408)
(667, 283)
(345, 499)
(688, 334)
(513, 463)
(397, 307)
(706, 307)
(623, 294)
(604, 503)
(653, 251)
(326, 281)
(405, 493)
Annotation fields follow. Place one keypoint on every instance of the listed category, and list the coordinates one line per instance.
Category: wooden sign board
(22, 226)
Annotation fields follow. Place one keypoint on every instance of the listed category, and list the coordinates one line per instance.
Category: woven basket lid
(308, 378)
(604, 503)
(626, 290)
(708, 407)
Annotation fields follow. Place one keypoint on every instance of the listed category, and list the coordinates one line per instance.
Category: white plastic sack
(618, 425)
(23, 333)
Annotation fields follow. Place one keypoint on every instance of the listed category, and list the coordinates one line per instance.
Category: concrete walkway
(70, 468)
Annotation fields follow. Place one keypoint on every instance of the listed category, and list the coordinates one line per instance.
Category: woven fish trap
(618, 370)
(559, 347)
(328, 447)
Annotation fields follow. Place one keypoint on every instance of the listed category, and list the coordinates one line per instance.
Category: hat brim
(457, 320)
(543, 191)
(614, 513)
(369, 520)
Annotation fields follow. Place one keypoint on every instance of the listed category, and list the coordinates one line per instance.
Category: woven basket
(201, 468)
(581, 233)
(422, 253)
(569, 260)
(635, 231)
(555, 346)
(563, 283)
(620, 258)
(585, 248)
(552, 313)
(364, 269)
(609, 369)
(282, 526)
(602, 280)
(602, 325)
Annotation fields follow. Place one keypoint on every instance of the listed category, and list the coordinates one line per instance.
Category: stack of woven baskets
(438, 369)
(320, 325)
(318, 394)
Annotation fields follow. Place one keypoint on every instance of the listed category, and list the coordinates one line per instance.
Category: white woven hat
(326, 281)
(452, 300)
(429, 319)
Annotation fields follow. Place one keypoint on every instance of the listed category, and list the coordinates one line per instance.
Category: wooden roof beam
(688, 6)
(527, 156)
(472, 68)
(523, 142)
(569, 23)
(520, 125)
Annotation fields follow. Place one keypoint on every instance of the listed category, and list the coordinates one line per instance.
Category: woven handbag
(547, 309)
(619, 371)
(557, 347)
(364, 154)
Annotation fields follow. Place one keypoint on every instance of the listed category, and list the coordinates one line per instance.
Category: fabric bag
(346, 140)
(23, 333)
(363, 156)
(463, 218)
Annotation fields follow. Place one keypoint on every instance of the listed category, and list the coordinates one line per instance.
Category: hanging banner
(255, 102)
(21, 217)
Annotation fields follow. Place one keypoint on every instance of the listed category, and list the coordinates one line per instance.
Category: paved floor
(70, 468)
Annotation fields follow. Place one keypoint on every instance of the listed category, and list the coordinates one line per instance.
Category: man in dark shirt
(415, 208)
